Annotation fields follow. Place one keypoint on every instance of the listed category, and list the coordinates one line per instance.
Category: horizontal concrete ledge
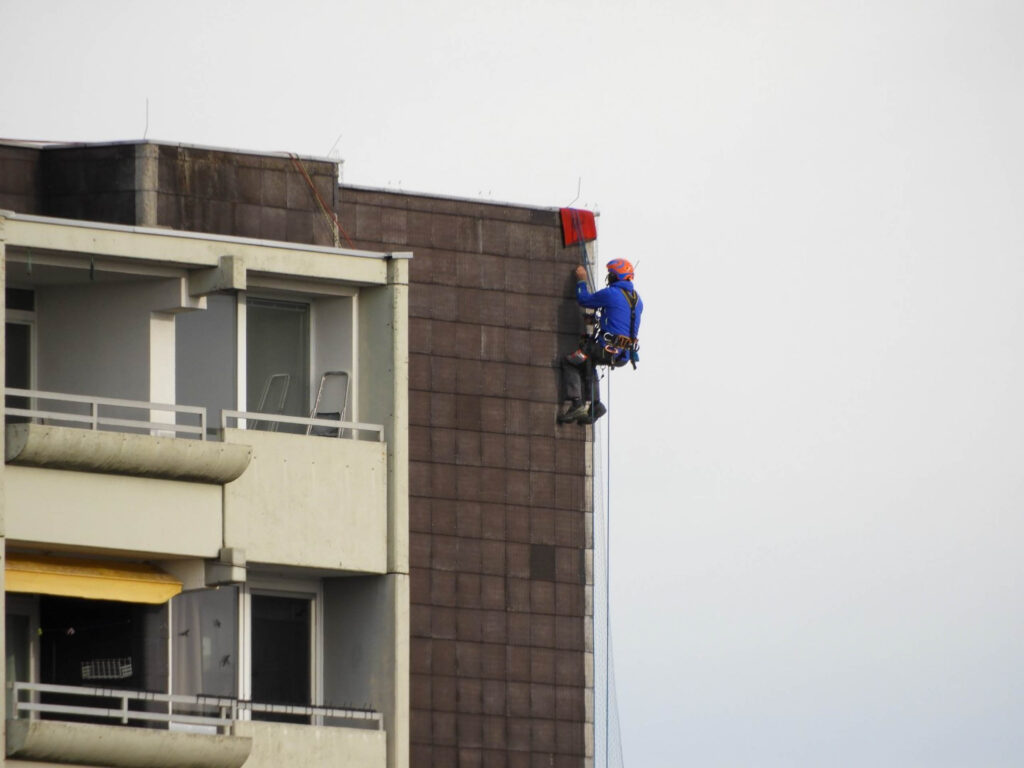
(121, 746)
(118, 453)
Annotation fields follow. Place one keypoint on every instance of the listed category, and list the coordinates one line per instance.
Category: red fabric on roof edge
(578, 224)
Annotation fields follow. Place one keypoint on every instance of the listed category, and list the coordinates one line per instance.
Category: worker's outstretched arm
(583, 295)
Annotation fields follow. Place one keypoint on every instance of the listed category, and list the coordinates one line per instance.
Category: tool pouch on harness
(600, 350)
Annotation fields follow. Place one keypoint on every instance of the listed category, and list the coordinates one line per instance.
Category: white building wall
(103, 339)
(205, 362)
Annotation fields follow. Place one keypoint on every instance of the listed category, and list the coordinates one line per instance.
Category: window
(277, 358)
(281, 653)
(20, 631)
(101, 644)
(18, 349)
(204, 638)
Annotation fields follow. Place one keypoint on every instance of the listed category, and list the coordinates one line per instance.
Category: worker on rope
(613, 342)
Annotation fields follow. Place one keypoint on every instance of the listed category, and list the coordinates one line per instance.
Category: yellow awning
(91, 579)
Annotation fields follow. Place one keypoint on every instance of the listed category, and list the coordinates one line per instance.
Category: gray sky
(818, 492)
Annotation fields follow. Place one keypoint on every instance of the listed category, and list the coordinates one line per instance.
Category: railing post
(124, 710)
(94, 407)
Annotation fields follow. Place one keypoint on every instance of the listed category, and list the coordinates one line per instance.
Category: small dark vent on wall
(542, 562)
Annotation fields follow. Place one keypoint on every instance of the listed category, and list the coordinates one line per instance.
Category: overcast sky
(818, 469)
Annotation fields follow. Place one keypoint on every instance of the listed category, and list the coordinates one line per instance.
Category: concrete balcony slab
(316, 502)
(120, 453)
(121, 746)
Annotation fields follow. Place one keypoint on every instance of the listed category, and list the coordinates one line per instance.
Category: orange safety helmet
(620, 269)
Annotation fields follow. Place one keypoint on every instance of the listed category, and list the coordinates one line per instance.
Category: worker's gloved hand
(581, 273)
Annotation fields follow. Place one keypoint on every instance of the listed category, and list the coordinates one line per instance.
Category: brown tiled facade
(499, 506)
(173, 186)
(498, 491)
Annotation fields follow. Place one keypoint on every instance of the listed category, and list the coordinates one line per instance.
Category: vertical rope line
(607, 566)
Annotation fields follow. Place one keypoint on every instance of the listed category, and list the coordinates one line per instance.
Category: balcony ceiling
(21, 275)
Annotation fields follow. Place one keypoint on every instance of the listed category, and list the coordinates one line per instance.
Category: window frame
(313, 295)
(278, 586)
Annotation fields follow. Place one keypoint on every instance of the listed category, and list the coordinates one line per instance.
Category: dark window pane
(21, 298)
(277, 354)
(18, 360)
(101, 644)
(280, 653)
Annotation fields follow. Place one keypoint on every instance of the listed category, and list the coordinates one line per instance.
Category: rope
(612, 746)
(328, 213)
(608, 742)
(608, 568)
(611, 713)
(607, 573)
(577, 228)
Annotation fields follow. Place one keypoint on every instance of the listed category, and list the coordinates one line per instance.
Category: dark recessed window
(281, 654)
(21, 298)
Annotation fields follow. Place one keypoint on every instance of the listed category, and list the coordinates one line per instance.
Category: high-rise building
(283, 481)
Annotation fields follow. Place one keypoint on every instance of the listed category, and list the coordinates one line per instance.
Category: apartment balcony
(116, 474)
(221, 419)
(316, 499)
(152, 477)
(137, 729)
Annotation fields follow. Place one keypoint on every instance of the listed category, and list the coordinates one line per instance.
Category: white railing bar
(225, 415)
(95, 420)
(111, 422)
(141, 404)
(55, 415)
(105, 421)
(110, 693)
(179, 698)
(123, 714)
(298, 709)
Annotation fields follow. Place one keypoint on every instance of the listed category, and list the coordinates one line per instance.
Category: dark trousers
(579, 379)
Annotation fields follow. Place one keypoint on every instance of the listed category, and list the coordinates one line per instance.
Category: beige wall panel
(112, 512)
(367, 618)
(309, 501)
(279, 744)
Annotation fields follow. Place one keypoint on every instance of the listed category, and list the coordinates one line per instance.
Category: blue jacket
(614, 306)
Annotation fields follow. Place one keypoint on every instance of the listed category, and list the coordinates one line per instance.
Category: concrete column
(383, 318)
(398, 444)
(398, 520)
(382, 603)
(161, 364)
(3, 380)
(3, 512)
(147, 180)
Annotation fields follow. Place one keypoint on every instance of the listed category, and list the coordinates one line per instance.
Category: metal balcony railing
(314, 426)
(227, 710)
(92, 416)
(95, 419)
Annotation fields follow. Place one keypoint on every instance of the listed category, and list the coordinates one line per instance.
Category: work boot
(573, 412)
(595, 412)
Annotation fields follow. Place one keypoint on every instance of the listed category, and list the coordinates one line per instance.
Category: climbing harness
(620, 349)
